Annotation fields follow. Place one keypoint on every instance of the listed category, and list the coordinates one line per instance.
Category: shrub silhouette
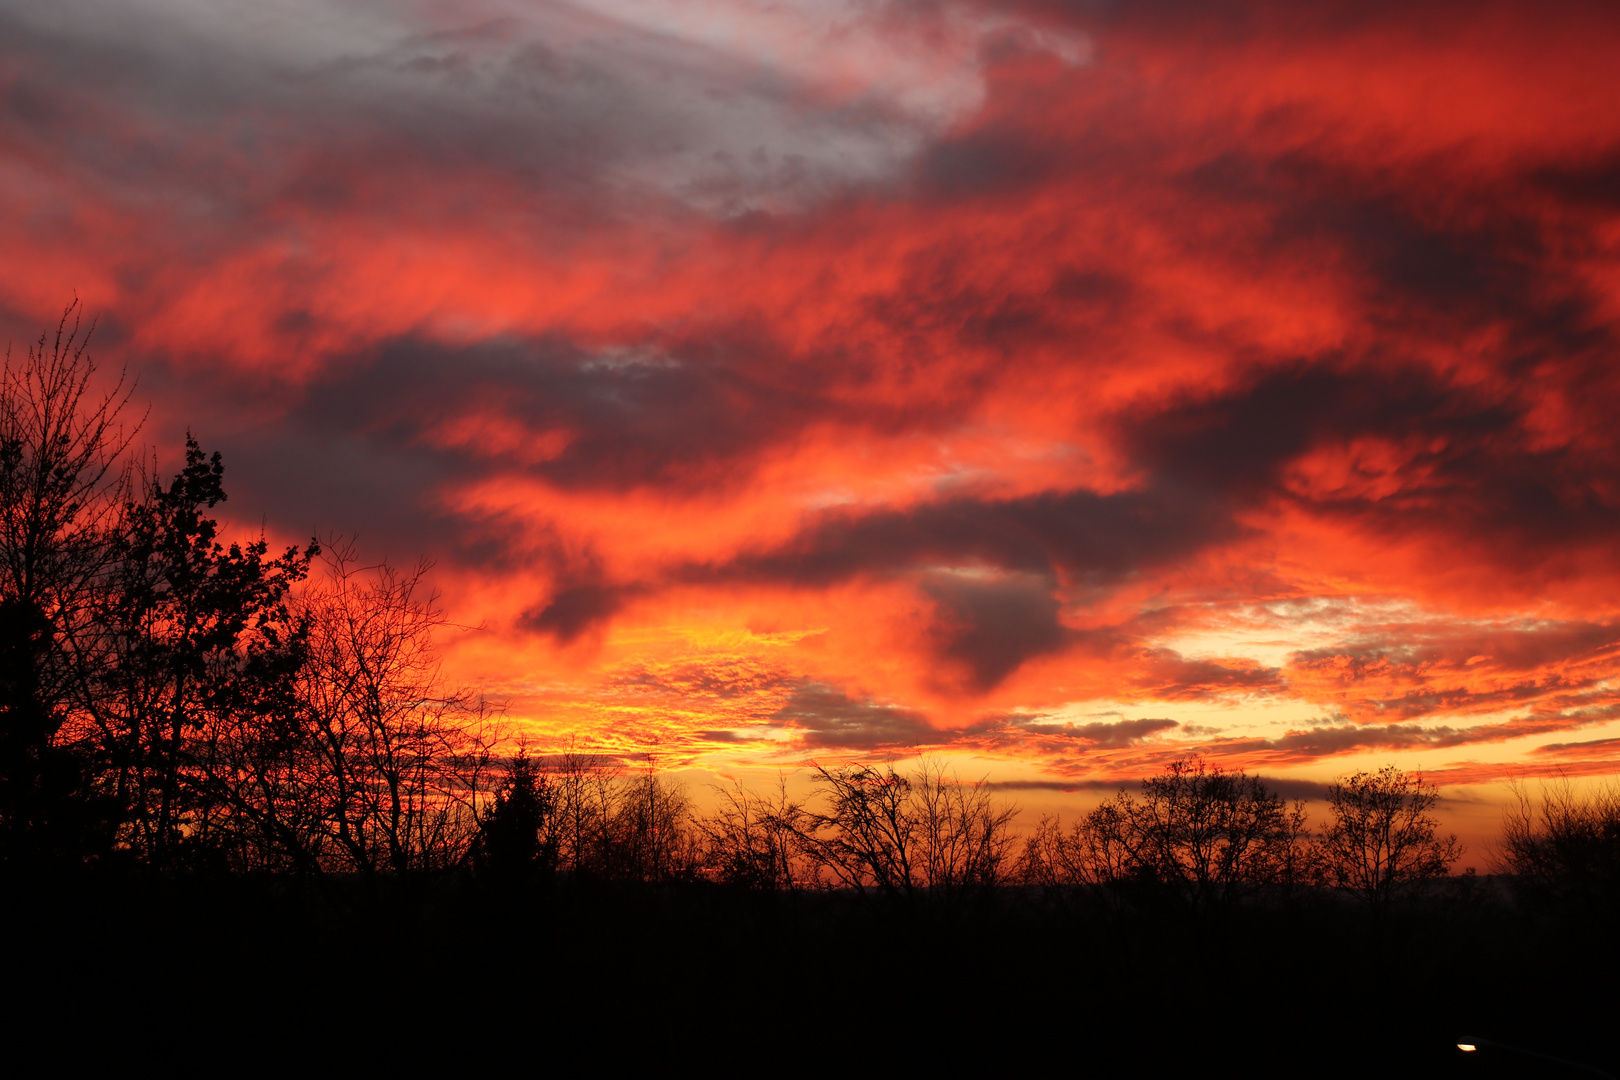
(1563, 852)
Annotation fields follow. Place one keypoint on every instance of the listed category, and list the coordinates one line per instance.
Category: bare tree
(1208, 836)
(1564, 852)
(965, 837)
(865, 838)
(753, 840)
(614, 825)
(63, 480)
(64, 472)
(1092, 852)
(587, 796)
(922, 838)
(1380, 841)
(398, 760)
(648, 835)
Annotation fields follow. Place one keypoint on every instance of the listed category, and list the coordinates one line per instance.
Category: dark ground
(249, 973)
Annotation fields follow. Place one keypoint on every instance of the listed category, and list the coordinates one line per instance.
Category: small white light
(1467, 1047)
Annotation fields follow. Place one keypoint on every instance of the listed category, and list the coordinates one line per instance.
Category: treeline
(1196, 839)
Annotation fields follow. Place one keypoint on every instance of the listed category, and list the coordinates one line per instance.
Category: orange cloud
(939, 382)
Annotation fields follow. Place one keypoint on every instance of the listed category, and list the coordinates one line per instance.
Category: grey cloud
(723, 736)
(990, 627)
(1578, 749)
(560, 98)
(1094, 538)
(573, 610)
(355, 449)
(826, 717)
(1308, 790)
(1067, 787)
(1116, 734)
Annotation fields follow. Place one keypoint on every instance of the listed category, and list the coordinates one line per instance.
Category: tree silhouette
(63, 482)
(395, 758)
(586, 795)
(1380, 841)
(927, 837)
(1564, 853)
(1203, 835)
(179, 694)
(200, 641)
(753, 841)
(517, 834)
(618, 826)
(648, 834)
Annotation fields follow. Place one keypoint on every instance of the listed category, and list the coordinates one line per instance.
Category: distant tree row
(1206, 838)
(1196, 837)
(1211, 838)
(881, 835)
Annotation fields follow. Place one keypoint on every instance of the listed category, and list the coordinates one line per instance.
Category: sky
(1059, 387)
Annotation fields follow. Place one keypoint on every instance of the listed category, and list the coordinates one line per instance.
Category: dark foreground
(247, 975)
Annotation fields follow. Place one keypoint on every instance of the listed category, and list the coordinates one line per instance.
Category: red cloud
(1151, 356)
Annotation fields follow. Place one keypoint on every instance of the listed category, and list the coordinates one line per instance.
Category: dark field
(609, 975)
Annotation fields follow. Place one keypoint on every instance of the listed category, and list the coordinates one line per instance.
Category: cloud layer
(782, 380)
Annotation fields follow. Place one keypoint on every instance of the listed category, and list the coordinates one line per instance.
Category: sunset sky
(1062, 387)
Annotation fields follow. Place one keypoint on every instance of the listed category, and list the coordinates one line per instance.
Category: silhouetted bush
(1563, 850)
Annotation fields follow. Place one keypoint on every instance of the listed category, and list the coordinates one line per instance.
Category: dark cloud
(1105, 734)
(383, 440)
(1168, 675)
(1589, 748)
(723, 736)
(1287, 787)
(993, 619)
(1293, 788)
(1093, 539)
(1471, 474)
(637, 416)
(989, 628)
(1527, 645)
(1238, 440)
(1594, 183)
(1067, 787)
(1329, 740)
(826, 717)
(574, 610)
